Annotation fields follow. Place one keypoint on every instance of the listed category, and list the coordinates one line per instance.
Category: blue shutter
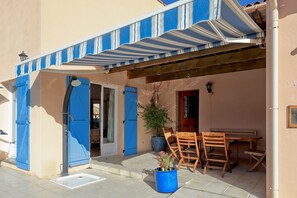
(130, 137)
(79, 124)
(23, 124)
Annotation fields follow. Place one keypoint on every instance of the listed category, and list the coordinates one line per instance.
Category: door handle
(71, 117)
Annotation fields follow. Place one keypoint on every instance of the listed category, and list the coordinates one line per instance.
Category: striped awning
(185, 26)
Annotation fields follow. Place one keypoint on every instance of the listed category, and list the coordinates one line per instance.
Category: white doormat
(77, 180)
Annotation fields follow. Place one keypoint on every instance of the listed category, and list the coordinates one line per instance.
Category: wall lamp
(23, 56)
(209, 87)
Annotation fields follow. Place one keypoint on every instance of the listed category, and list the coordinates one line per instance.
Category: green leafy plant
(154, 116)
(165, 161)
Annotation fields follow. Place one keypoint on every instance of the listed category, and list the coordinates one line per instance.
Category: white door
(108, 140)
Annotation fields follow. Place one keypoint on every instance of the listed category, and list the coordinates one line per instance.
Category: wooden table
(238, 138)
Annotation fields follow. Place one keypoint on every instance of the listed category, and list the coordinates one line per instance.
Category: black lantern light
(23, 56)
(209, 87)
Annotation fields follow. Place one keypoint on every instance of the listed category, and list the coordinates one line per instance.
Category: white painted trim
(11, 114)
(114, 145)
(11, 147)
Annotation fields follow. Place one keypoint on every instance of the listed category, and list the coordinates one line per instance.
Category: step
(120, 170)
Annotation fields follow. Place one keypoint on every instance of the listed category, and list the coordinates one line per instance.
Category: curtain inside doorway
(110, 125)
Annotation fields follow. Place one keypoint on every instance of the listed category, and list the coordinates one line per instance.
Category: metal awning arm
(234, 40)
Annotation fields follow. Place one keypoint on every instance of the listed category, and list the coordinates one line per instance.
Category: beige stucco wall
(237, 102)
(68, 21)
(20, 30)
(287, 96)
(47, 94)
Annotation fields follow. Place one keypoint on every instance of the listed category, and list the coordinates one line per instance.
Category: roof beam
(181, 57)
(219, 69)
(221, 59)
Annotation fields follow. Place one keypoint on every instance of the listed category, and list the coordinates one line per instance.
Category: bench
(239, 132)
(247, 132)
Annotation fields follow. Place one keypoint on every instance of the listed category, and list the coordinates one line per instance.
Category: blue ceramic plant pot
(166, 181)
(159, 144)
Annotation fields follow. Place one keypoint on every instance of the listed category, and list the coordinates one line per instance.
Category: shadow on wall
(3, 99)
(287, 8)
(294, 52)
(50, 90)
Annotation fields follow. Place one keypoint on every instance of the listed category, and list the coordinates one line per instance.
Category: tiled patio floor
(239, 183)
(137, 181)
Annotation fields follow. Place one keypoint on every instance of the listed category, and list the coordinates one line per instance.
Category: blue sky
(242, 2)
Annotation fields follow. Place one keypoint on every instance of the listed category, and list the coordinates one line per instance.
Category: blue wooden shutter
(130, 134)
(79, 124)
(23, 123)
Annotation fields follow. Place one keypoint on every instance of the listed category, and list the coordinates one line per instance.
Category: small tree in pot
(155, 118)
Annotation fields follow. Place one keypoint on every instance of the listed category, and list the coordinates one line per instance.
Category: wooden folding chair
(216, 153)
(259, 156)
(188, 149)
(171, 141)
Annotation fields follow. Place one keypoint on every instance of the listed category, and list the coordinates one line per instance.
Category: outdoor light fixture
(74, 82)
(23, 56)
(209, 87)
(3, 133)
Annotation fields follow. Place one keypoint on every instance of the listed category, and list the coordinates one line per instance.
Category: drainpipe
(274, 66)
(74, 82)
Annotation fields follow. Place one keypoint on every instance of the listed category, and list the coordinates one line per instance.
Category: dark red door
(188, 111)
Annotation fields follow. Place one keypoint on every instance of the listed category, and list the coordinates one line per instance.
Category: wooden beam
(219, 69)
(181, 57)
(227, 58)
(258, 19)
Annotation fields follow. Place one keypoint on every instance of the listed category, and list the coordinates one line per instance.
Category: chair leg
(204, 170)
(179, 163)
(195, 165)
(200, 161)
(259, 160)
(224, 169)
(229, 167)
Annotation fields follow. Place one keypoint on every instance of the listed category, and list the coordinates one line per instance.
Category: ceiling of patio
(216, 60)
(224, 59)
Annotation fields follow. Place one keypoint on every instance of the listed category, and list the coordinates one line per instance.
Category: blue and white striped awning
(185, 26)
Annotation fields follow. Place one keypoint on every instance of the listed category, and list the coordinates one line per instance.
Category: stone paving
(133, 177)
(239, 183)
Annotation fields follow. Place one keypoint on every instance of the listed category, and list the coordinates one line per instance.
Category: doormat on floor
(77, 180)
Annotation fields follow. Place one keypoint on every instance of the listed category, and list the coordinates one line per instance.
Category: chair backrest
(167, 130)
(187, 140)
(214, 140)
(168, 134)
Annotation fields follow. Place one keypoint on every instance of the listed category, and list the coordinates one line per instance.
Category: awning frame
(153, 37)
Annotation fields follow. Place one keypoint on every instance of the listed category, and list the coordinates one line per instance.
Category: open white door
(109, 137)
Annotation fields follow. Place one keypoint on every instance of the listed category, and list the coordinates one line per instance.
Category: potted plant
(165, 175)
(155, 118)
